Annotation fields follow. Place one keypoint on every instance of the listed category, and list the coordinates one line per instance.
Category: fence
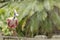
(38, 37)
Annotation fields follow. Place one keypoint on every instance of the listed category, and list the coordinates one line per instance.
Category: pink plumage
(12, 23)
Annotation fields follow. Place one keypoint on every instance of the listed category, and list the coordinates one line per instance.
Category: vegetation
(36, 17)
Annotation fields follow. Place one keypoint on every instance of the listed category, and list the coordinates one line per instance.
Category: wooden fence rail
(38, 37)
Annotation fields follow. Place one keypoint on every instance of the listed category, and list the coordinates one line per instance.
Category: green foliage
(33, 14)
(6, 31)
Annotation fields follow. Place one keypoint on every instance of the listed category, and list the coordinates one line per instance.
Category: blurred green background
(36, 17)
